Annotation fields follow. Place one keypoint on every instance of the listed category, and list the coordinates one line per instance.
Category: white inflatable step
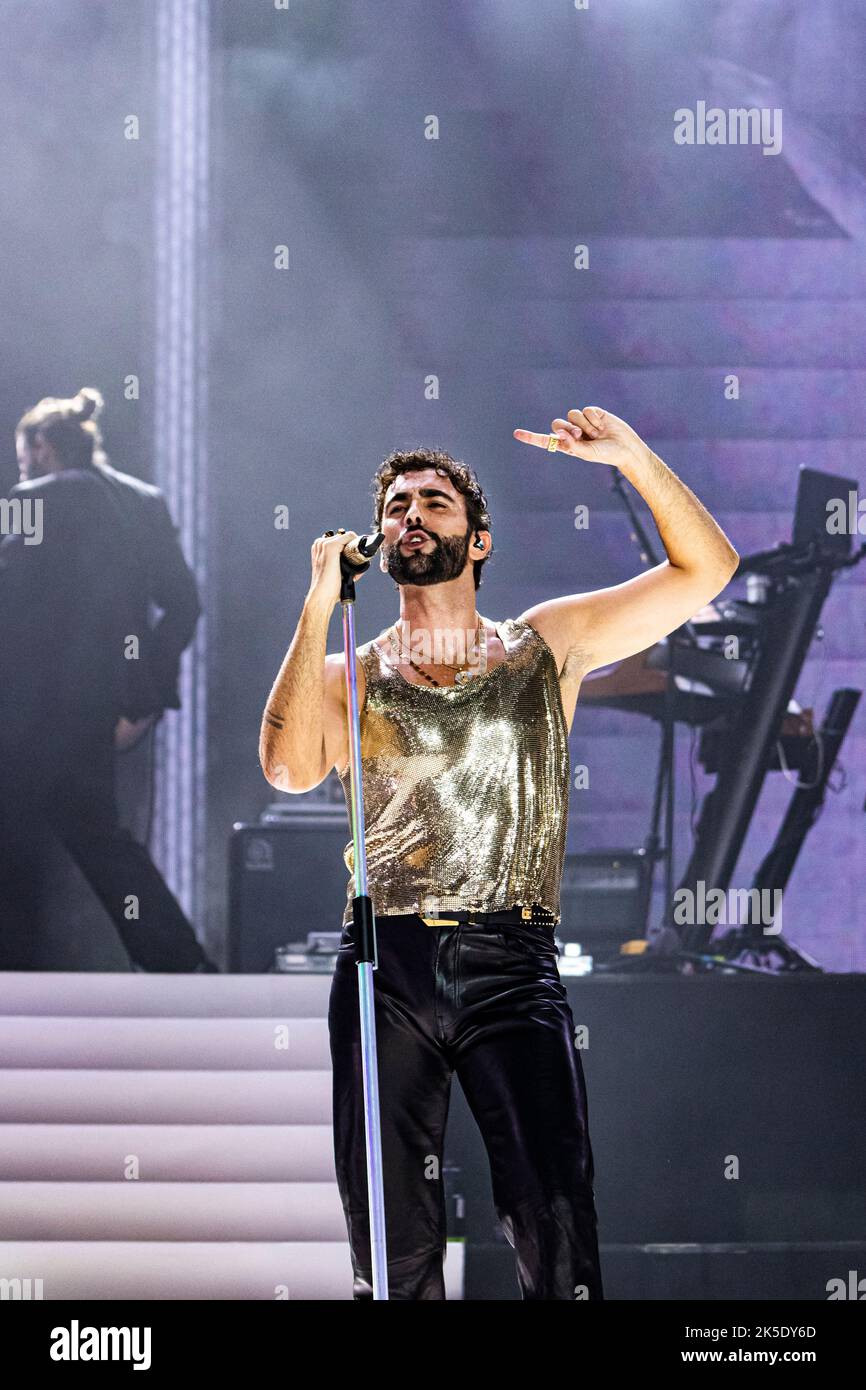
(120, 1269)
(162, 1211)
(216, 1044)
(119, 994)
(165, 1097)
(167, 1153)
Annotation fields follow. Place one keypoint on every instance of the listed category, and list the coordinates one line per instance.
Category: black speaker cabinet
(603, 898)
(287, 877)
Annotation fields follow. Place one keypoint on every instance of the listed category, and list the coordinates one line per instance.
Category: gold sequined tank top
(465, 787)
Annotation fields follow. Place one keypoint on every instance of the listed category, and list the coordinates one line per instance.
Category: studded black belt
(534, 915)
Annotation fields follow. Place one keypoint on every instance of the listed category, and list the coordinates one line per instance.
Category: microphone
(358, 553)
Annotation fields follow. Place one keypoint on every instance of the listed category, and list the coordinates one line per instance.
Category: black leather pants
(486, 1002)
(74, 804)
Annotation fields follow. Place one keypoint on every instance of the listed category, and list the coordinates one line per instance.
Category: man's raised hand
(592, 434)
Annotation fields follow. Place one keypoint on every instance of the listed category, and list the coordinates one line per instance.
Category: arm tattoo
(274, 722)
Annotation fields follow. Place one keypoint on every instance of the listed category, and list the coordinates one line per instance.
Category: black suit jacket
(108, 568)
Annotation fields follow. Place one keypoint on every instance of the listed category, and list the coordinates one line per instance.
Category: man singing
(466, 781)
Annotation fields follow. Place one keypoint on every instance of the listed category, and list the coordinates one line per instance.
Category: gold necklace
(462, 673)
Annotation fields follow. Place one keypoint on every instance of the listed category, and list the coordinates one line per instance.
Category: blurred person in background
(86, 552)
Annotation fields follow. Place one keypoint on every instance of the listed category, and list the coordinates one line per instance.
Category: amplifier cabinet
(287, 877)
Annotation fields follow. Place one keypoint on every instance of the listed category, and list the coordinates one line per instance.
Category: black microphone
(358, 552)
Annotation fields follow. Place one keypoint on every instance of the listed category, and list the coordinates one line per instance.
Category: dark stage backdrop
(398, 189)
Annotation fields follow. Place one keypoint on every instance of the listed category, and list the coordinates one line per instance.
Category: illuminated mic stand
(364, 925)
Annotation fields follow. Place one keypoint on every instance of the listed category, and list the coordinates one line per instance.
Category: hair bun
(89, 403)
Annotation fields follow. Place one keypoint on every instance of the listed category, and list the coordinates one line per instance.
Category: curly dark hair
(462, 478)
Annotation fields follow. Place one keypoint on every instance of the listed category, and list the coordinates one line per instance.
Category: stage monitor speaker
(603, 899)
(287, 877)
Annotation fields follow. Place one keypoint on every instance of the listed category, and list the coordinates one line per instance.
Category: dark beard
(445, 562)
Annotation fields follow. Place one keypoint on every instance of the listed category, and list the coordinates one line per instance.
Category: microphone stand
(364, 926)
